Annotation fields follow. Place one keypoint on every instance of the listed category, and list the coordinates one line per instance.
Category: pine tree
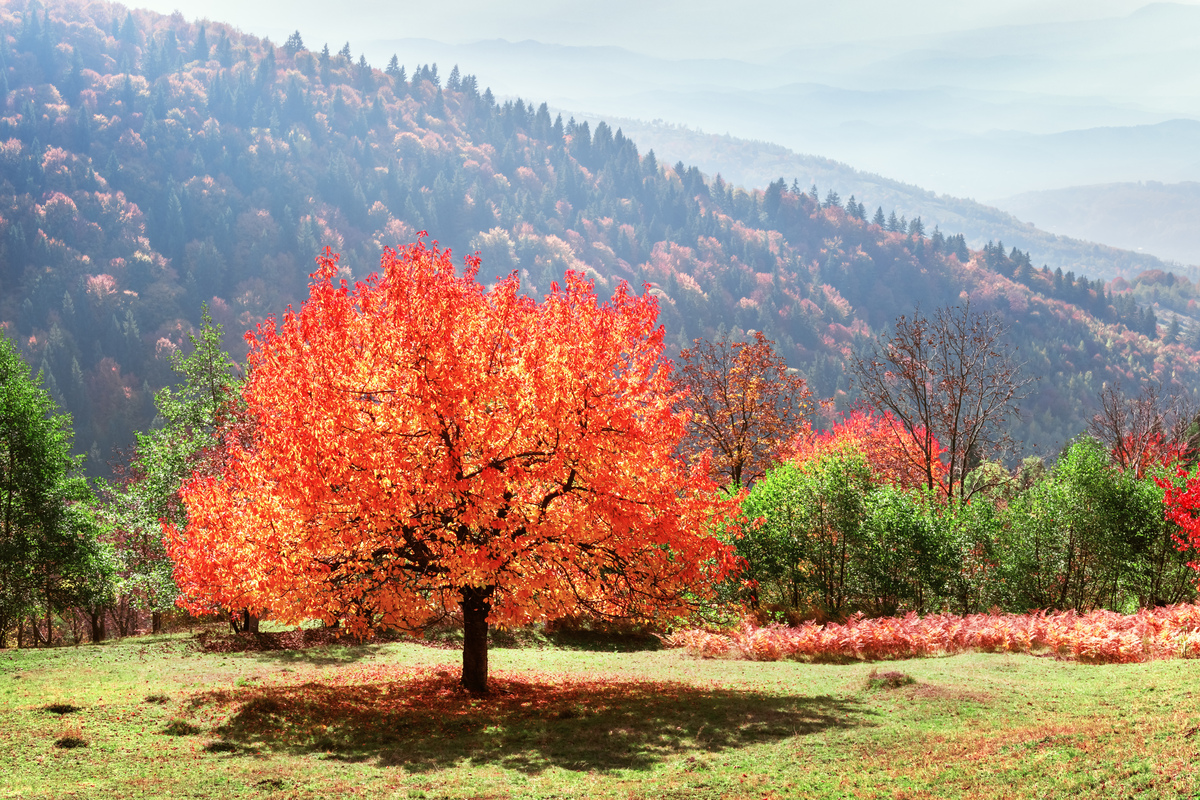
(1173, 330)
(225, 51)
(294, 44)
(200, 51)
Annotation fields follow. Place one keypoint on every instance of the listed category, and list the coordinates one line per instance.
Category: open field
(387, 721)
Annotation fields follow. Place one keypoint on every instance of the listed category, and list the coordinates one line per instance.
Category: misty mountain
(1143, 216)
(982, 113)
(750, 163)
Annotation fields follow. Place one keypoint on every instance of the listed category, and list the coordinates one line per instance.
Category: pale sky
(671, 28)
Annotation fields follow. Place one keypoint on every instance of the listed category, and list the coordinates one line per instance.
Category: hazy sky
(673, 28)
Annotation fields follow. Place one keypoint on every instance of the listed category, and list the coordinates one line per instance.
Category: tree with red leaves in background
(425, 447)
(1148, 430)
(890, 453)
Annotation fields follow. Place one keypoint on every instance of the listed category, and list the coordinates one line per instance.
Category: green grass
(163, 720)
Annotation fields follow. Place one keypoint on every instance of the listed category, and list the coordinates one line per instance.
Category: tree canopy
(47, 558)
(426, 447)
(745, 403)
(951, 381)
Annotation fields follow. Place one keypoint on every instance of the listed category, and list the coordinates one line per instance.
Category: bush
(824, 539)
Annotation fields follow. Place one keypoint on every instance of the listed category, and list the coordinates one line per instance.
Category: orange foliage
(420, 438)
(745, 401)
(890, 452)
(1097, 637)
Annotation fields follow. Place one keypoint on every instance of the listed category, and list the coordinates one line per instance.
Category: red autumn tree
(425, 447)
(1182, 506)
(1148, 430)
(890, 453)
(746, 404)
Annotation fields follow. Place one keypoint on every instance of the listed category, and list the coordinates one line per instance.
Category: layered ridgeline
(150, 165)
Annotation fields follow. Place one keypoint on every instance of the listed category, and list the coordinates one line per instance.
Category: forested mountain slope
(149, 165)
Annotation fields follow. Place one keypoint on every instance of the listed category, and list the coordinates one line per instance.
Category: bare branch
(952, 383)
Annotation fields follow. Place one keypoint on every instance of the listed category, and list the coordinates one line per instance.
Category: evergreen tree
(1173, 330)
(937, 241)
(294, 43)
(200, 51)
(852, 208)
(224, 51)
(185, 438)
(773, 197)
(879, 219)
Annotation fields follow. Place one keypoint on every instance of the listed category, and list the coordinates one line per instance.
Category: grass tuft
(62, 708)
(893, 679)
(72, 737)
(181, 727)
(157, 699)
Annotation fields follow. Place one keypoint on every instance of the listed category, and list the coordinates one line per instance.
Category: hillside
(150, 165)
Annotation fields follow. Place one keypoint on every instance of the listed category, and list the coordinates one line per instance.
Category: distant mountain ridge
(751, 163)
(1146, 215)
(983, 113)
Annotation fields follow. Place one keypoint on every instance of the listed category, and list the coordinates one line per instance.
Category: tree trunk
(155, 621)
(476, 604)
(249, 621)
(97, 618)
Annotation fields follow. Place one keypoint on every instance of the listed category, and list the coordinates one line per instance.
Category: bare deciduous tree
(1147, 429)
(953, 382)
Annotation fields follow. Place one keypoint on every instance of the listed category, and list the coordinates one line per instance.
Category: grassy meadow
(161, 718)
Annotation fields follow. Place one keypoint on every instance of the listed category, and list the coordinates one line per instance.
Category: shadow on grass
(317, 646)
(597, 641)
(323, 655)
(426, 722)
